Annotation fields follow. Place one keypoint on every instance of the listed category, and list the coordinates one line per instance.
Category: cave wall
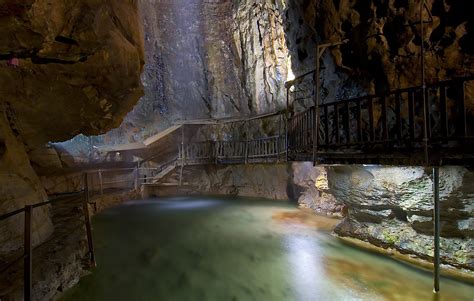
(66, 68)
(384, 38)
(259, 36)
(19, 186)
(392, 207)
(256, 180)
(207, 59)
(299, 182)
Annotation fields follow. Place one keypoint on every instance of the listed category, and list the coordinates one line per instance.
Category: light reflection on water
(307, 272)
(236, 249)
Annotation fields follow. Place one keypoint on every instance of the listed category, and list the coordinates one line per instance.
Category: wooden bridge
(394, 128)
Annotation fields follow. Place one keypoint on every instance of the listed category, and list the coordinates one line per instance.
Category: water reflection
(307, 272)
(241, 249)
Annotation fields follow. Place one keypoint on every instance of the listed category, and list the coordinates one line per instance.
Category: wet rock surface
(393, 208)
(316, 194)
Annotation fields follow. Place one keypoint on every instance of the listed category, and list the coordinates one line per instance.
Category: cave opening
(236, 150)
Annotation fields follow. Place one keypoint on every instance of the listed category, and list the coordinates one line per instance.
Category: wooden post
(28, 254)
(87, 219)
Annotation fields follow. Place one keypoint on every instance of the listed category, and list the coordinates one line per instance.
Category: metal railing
(27, 255)
(233, 151)
(391, 121)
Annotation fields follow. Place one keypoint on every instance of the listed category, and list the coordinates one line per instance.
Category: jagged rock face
(191, 71)
(393, 207)
(261, 43)
(207, 59)
(316, 194)
(19, 186)
(383, 51)
(68, 68)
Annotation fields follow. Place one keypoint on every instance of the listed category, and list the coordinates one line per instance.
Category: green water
(232, 249)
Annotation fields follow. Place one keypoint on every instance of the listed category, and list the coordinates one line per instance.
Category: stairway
(173, 178)
(156, 179)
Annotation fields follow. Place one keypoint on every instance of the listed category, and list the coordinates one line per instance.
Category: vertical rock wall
(207, 59)
(259, 36)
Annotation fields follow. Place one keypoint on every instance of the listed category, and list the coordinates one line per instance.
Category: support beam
(436, 218)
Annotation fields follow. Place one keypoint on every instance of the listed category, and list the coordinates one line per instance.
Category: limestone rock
(19, 186)
(256, 180)
(315, 193)
(72, 57)
(392, 207)
(66, 67)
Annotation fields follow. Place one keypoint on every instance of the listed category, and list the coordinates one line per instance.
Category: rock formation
(392, 207)
(207, 59)
(66, 68)
(70, 68)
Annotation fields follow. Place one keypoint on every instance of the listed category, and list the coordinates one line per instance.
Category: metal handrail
(27, 244)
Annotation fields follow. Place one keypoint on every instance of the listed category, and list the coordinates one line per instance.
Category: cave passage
(205, 248)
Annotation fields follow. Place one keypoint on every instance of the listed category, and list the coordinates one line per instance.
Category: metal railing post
(87, 219)
(426, 107)
(137, 169)
(286, 137)
(101, 183)
(436, 218)
(247, 138)
(316, 106)
(28, 254)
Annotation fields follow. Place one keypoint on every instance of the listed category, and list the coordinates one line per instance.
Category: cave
(236, 150)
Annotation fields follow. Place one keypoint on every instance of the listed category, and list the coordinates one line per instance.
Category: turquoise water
(235, 249)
